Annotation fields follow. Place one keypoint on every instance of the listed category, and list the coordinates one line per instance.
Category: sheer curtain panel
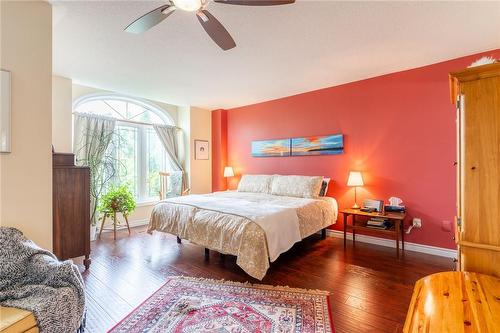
(169, 138)
(92, 137)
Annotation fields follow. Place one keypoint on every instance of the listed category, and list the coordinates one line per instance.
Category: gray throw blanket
(33, 279)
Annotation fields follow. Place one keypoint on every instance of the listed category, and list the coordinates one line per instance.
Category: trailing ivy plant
(117, 199)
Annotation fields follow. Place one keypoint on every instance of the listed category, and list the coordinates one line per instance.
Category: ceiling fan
(212, 26)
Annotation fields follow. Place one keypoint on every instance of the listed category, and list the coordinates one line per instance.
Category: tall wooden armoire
(71, 208)
(477, 94)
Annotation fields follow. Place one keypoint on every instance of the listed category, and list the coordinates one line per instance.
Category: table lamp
(355, 179)
(228, 172)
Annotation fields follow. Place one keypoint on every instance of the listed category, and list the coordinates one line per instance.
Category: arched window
(122, 108)
(138, 152)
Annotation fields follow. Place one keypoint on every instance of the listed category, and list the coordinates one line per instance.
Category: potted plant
(117, 199)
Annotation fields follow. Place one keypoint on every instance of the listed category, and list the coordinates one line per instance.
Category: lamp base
(355, 206)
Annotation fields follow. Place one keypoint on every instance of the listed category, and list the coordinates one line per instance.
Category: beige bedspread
(233, 233)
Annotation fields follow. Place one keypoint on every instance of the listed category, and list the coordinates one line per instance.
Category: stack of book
(396, 209)
(378, 223)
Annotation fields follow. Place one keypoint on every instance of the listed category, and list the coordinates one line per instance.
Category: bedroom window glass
(139, 155)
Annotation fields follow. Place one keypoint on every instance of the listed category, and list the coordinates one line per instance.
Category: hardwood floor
(370, 288)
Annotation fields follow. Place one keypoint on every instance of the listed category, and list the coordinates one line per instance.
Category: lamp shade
(228, 172)
(355, 179)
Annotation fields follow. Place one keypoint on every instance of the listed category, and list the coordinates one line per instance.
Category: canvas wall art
(318, 145)
(270, 148)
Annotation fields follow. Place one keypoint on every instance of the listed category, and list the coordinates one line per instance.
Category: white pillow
(297, 186)
(255, 183)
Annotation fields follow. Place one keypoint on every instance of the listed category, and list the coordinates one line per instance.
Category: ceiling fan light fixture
(212, 26)
(188, 5)
(202, 15)
(167, 10)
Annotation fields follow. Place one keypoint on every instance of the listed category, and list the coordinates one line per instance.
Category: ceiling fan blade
(215, 30)
(149, 20)
(256, 2)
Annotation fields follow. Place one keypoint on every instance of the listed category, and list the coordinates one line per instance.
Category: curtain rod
(132, 121)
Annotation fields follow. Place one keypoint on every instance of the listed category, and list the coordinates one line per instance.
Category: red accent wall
(219, 150)
(399, 130)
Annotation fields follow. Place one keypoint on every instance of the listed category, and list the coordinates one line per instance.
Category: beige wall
(197, 125)
(26, 173)
(61, 114)
(201, 170)
(185, 124)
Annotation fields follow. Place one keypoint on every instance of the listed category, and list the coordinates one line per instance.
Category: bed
(256, 223)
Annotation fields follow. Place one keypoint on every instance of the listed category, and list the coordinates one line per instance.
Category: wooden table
(396, 231)
(455, 302)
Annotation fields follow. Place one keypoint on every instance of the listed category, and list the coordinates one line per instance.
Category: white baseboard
(437, 251)
(132, 224)
(138, 223)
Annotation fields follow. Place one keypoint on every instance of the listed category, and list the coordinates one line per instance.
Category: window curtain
(169, 139)
(92, 136)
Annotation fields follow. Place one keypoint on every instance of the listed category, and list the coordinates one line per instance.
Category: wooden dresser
(71, 208)
(477, 94)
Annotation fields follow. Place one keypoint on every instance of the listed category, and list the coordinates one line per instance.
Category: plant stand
(107, 214)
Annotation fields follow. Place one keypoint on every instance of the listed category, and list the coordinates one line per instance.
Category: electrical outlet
(446, 226)
(417, 222)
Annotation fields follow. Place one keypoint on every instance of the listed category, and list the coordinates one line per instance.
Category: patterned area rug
(199, 305)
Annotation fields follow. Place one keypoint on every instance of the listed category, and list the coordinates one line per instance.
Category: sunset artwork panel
(269, 148)
(318, 145)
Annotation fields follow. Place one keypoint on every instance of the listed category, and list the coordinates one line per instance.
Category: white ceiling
(281, 51)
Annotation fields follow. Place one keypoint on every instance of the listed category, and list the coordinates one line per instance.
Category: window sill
(146, 203)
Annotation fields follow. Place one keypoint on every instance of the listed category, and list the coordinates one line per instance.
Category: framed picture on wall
(201, 150)
(5, 112)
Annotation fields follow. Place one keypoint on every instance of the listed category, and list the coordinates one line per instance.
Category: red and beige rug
(191, 305)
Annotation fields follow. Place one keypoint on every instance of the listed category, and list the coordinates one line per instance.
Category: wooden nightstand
(396, 231)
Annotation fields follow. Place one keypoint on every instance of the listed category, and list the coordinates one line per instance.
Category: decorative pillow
(255, 183)
(324, 187)
(296, 186)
